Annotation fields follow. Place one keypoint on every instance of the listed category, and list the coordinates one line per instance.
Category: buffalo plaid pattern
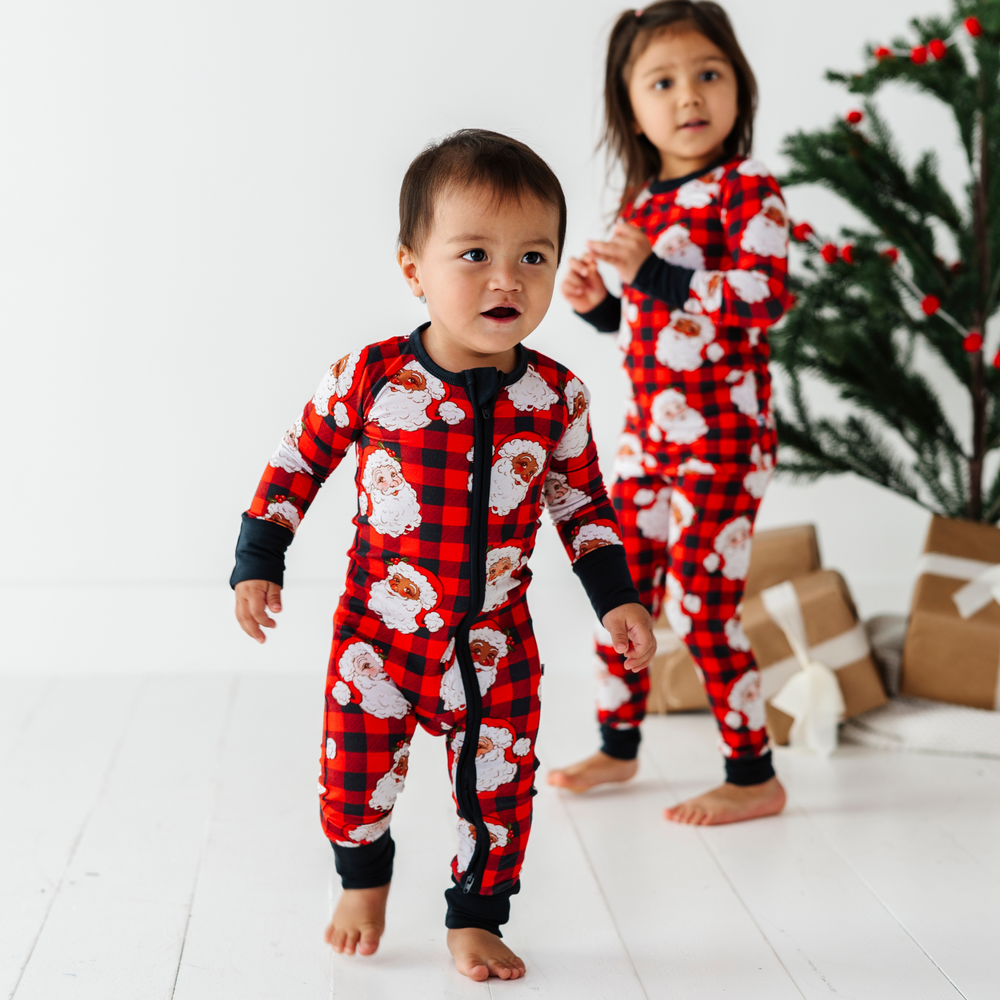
(363, 748)
(703, 606)
(408, 583)
(729, 226)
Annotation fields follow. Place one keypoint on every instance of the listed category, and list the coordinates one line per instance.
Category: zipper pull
(470, 881)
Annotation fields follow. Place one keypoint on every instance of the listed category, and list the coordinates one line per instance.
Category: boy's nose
(504, 278)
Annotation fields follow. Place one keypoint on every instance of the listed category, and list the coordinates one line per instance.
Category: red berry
(919, 54)
(829, 252)
(847, 252)
(973, 342)
(937, 48)
(930, 304)
(973, 27)
(802, 231)
(882, 53)
(996, 360)
(853, 117)
(891, 255)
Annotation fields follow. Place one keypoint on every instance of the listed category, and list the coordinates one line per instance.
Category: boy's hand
(253, 599)
(625, 251)
(631, 631)
(583, 288)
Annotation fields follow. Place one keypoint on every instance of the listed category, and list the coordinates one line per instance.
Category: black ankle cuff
(469, 909)
(622, 744)
(366, 866)
(749, 770)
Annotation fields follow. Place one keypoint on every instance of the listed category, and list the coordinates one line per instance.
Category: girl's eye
(533, 257)
(476, 256)
(709, 75)
(662, 84)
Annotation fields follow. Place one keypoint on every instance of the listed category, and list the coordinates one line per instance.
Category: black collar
(416, 345)
(662, 187)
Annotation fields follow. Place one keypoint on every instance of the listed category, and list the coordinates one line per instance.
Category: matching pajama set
(699, 443)
(433, 626)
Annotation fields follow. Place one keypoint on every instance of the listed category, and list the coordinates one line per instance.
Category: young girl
(700, 246)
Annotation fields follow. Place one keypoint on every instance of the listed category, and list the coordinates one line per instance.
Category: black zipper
(482, 385)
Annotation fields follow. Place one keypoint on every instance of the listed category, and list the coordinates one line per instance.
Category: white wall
(198, 216)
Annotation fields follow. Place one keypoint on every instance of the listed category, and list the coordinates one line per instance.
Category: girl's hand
(583, 288)
(253, 599)
(631, 631)
(625, 251)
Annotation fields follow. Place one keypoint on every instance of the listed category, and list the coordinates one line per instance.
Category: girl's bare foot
(597, 770)
(358, 921)
(730, 804)
(479, 954)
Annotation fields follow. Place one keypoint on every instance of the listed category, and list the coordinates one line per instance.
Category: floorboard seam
(220, 750)
(128, 718)
(27, 720)
(718, 864)
(878, 898)
(600, 888)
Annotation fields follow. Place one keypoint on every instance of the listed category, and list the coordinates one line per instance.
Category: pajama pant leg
(689, 543)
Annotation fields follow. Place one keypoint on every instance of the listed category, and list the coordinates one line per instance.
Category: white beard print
(574, 440)
(675, 246)
(396, 513)
(562, 499)
(764, 235)
(498, 590)
(612, 692)
(750, 286)
(453, 688)
(745, 697)
(390, 784)
(399, 409)
(284, 513)
(753, 168)
(507, 489)
(654, 521)
(743, 392)
(699, 193)
(682, 514)
(379, 695)
(467, 841)
(733, 543)
(735, 635)
(334, 384)
(680, 343)
(287, 455)
(679, 622)
(707, 285)
(531, 392)
(367, 833)
(492, 768)
(755, 482)
(674, 420)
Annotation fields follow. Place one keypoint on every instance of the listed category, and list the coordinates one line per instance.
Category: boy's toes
(368, 944)
(350, 942)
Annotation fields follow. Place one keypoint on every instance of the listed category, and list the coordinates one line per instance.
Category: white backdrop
(198, 216)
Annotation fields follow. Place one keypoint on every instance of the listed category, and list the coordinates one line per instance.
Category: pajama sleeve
(308, 452)
(582, 511)
(754, 291)
(606, 317)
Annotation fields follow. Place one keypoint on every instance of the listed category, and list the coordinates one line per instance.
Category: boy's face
(487, 269)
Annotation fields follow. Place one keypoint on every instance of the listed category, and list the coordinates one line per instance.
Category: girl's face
(684, 99)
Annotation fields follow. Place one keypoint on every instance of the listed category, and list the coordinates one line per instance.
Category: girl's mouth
(695, 123)
(502, 313)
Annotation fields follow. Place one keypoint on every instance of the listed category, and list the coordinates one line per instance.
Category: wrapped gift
(952, 650)
(817, 608)
(778, 554)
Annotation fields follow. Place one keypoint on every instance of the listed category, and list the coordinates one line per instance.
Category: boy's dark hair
(474, 156)
(633, 31)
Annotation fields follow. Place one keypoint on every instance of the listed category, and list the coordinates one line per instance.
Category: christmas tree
(872, 310)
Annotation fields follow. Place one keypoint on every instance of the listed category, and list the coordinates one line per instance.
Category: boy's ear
(410, 267)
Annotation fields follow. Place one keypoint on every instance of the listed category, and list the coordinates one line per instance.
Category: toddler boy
(460, 434)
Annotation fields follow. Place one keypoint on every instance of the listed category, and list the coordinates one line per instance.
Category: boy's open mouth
(501, 312)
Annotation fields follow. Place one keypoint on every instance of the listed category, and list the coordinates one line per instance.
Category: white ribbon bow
(812, 695)
(984, 585)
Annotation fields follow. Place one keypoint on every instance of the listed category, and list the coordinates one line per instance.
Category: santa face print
(282, 511)
(488, 647)
(499, 835)
(675, 246)
(630, 459)
(517, 463)
(287, 455)
(336, 385)
(501, 565)
(405, 599)
(531, 392)
(653, 520)
(577, 434)
(389, 501)
(746, 702)
(562, 499)
(674, 420)
(743, 392)
(392, 783)
(497, 754)
(766, 234)
(360, 666)
(680, 344)
(405, 588)
(732, 549)
(594, 536)
(410, 379)
(411, 399)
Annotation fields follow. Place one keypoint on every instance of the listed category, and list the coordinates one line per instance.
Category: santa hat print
(595, 535)
(502, 734)
(525, 442)
(491, 633)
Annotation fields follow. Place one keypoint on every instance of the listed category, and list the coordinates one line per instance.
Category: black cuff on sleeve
(260, 551)
(366, 866)
(605, 576)
(606, 316)
(667, 282)
(749, 770)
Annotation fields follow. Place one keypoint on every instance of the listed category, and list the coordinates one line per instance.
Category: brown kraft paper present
(834, 636)
(948, 657)
(777, 554)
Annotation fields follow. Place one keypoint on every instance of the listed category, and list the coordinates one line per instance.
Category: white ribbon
(811, 696)
(984, 585)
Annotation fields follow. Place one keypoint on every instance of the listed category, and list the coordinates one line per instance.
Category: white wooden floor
(159, 838)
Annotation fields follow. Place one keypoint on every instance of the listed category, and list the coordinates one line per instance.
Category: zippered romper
(433, 626)
(699, 442)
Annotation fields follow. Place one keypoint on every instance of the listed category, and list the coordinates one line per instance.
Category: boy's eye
(532, 257)
(663, 84)
(477, 256)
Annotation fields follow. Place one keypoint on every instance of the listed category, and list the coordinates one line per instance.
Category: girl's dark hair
(632, 32)
(474, 157)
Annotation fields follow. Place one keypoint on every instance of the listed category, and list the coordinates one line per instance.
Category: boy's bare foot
(597, 770)
(479, 954)
(358, 921)
(730, 804)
